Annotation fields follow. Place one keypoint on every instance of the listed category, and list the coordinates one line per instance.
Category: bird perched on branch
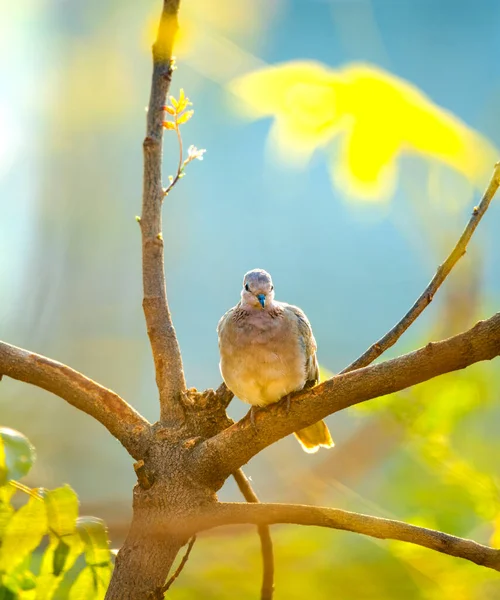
(267, 351)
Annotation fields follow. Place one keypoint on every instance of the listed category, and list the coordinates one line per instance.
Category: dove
(267, 351)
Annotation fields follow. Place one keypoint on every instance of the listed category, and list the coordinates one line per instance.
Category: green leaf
(94, 535)
(58, 558)
(7, 594)
(6, 492)
(23, 533)
(62, 510)
(93, 581)
(6, 509)
(17, 455)
(65, 543)
(3, 464)
(86, 586)
(102, 575)
(21, 579)
(27, 580)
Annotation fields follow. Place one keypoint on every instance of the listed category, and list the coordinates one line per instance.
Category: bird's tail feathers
(314, 436)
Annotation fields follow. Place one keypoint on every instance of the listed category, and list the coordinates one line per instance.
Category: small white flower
(193, 153)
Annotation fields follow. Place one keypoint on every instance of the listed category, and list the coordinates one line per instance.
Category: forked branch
(426, 297)
(121, 420)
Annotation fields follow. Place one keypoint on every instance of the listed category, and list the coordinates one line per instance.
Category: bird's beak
(262, 299)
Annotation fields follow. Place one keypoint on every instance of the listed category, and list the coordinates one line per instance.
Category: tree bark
(107, 407)
(167, 495)
(226, 513)
(164, 344)
(235, 446)
(143, 564)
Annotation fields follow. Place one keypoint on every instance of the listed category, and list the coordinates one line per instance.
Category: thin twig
(24, 488)
(164, 344)
(182, 564)
(174, 181)
(391, 337)
(232, 513)
(119, 418)
(266, 542)
(181, 152)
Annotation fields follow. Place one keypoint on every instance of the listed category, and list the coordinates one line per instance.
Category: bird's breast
(262, 365)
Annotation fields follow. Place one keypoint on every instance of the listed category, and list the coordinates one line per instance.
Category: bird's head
(258, 289)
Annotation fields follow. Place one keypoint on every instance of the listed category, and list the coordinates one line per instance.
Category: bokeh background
(351, 231)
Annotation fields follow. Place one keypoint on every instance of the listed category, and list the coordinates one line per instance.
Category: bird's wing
(223, 321)
(308, 343)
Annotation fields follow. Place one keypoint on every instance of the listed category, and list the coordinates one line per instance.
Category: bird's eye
(246, 287)
(272, 288)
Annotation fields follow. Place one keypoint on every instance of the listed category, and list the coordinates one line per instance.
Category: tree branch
(121, 420)
(266, 542)
(426, 297)
(224, 395)
(228, 513)
(165, 347)
(236, 445)
(162, 591)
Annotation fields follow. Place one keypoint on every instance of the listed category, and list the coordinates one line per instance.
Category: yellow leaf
(168, 125)
(379, 116)
(169, 109)
(183, 102)
(185, 117)
(174, 102)
(23, 533)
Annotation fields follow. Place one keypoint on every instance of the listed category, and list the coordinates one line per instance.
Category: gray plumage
(267, 350)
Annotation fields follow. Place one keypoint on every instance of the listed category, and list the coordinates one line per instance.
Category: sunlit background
(347, 144)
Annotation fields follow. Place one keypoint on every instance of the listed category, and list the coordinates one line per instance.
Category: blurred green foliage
(42, 537)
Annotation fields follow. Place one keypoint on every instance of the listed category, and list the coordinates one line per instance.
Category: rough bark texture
(145, 559)
(235, 446)
(121, 420)
(169, 492)
(161, 332)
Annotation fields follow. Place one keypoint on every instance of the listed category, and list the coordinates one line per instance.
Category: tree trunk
(166, 495)
(142, 565)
